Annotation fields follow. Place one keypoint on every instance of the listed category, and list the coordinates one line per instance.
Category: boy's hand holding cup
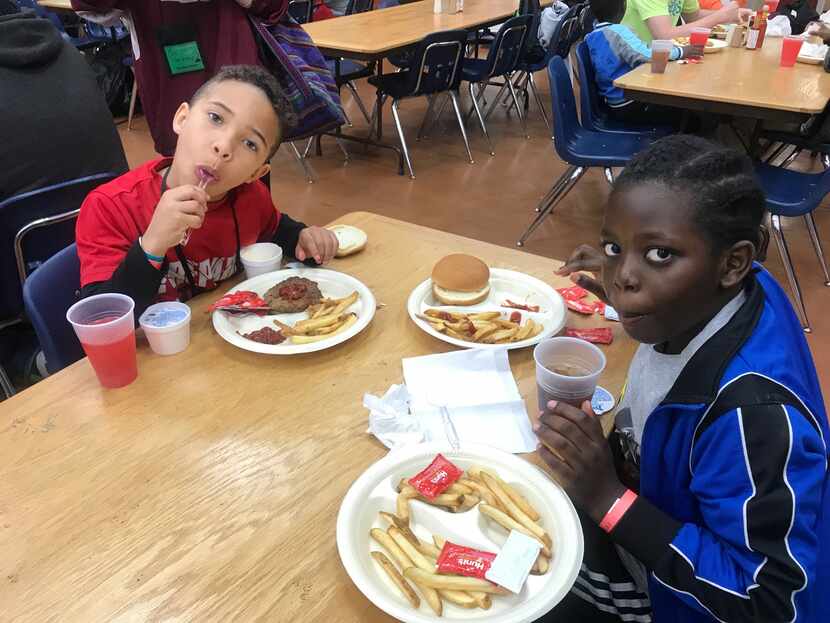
(179, 209)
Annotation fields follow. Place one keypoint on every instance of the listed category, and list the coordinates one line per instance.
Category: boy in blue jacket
(615, 51)
(712, 501)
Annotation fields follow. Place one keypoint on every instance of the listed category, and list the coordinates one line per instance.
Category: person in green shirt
(658, 19)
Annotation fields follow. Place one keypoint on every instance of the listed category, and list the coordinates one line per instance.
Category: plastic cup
(660, 52)
(790, 47)
(699, 36)
(261, 258)
(772, 5)
(167, 327)
(105, 327)
(567, 370)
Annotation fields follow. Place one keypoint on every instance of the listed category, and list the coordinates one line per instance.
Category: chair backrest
(589, 97)
(533, 8)
(33, 227)
(436, 63)
(586, 20)
(560, 40)
(301, 10)
(508, 48)
(563, 103)
(47, 294)
(358, 6)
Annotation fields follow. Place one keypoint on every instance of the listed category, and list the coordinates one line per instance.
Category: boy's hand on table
(578, 454)
(178, 210)
(589, 259)
(317, 242)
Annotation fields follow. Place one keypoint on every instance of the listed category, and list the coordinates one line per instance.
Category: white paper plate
(332, 284)
(717, 45)
(374, 491)
(504, 284)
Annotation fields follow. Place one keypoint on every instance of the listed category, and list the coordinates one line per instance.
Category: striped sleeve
(630, 48)
(757, 474)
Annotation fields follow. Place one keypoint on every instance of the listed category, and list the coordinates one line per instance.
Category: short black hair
(260, 78)
(608, 10)
(719, 183)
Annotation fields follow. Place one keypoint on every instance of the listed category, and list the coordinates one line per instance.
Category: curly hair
(719, 184)
(260, 78)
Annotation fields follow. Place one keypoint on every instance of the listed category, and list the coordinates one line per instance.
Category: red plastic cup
(790, 47)
(700, 36)
(772, 5)
(105, 327)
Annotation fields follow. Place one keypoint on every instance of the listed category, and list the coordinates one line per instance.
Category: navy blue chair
(81, 40)
(581, 148)
(436, 69)
(301, 10)
(33, 227)
(47, 294)
(502, 60)
(594, 111)
(792, 194)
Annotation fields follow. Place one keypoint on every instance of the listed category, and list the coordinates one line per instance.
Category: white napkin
(478, 390)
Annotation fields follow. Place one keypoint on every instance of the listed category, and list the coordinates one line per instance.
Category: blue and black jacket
(733, 518)
(616, 50)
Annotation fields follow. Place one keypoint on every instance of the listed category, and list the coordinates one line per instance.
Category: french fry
(459, 598)
(309, 339)
(485, 332)
(444, 315)
(524, 331)
(428, 549)
(518, 498)
(459, 489)
(402, 507)
(388, 543)
(452, 582)
(439, 541)
(394, 520)
(304, 326)
(287, 331)
(514, 510)
(407, 489)
(469, 502)
(430, 593)
(502, 335)
(508, 523)
(397, 578)
(481, 490)
(483, 600)
(484, 315)
(541, 566)
(344, 303)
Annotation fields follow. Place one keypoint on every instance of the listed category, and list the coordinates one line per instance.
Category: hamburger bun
(460, 279)
(350, 239)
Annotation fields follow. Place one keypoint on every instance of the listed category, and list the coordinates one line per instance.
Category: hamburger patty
(293, 295)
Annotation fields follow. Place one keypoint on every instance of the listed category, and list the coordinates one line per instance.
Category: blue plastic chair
(47, 294)
(792, 194)
(301, 10)
(438, 60)
(34, 226)
(594, 111)
(502, 60)
(87, 40)
(579, 147)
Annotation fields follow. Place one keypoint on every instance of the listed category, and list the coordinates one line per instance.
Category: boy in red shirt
(129, 231)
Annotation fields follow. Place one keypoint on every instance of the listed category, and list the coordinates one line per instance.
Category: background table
(208, 489)
(56, 5)
(740, 82)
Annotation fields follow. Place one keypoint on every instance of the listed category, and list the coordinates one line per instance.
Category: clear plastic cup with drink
(699, 36)
(105, 327)
(790, 47)
(660, 53)
(567, 370)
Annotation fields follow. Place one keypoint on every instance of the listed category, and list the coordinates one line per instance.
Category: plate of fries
(520, 311)
(389, 537)
(347, 308)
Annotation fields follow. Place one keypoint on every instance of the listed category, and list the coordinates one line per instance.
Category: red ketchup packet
(464, 560)
(599, 307)
(574, 293)
(436, 478)
(581, 307)
(600, 335)
(241, 298)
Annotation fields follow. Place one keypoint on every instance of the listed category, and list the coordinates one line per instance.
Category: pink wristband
(617, 510)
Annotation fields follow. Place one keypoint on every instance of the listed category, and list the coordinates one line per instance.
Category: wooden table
(737, 82)
(56, 5)
(208, 489)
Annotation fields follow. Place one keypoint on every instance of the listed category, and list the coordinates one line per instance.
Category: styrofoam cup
(558, 351)
(260, 258)
(167, 327)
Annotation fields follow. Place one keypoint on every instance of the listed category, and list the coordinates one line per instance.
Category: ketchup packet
(581, 307)
(600, 335)
(599, 307)
(436, 477)
(242, 298)
(573, 293)
(464, 560)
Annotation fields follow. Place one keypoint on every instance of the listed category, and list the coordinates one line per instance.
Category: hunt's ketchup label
(574, 293)
(436, 478)
(581, 307)
(600, 335)
(464, 560)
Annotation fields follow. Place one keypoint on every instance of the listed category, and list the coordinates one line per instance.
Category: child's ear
(180, 117)
(263, 170)
(736, 263)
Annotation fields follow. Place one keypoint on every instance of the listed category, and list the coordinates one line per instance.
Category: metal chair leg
(538, 99)
(6, 384)
(481, 119)
(132, 103)
(609, 175)
(825, 161)
(811, 227)
(358, 101)
(518, 110)
(307, 169)
(495, 101)
(402, 138)
(342, 147)
(791, 158)
(427, 116)
(454, 97)
(774, 151)
(554, 192)
(572, 175)
(308, 146)
(778, 234)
